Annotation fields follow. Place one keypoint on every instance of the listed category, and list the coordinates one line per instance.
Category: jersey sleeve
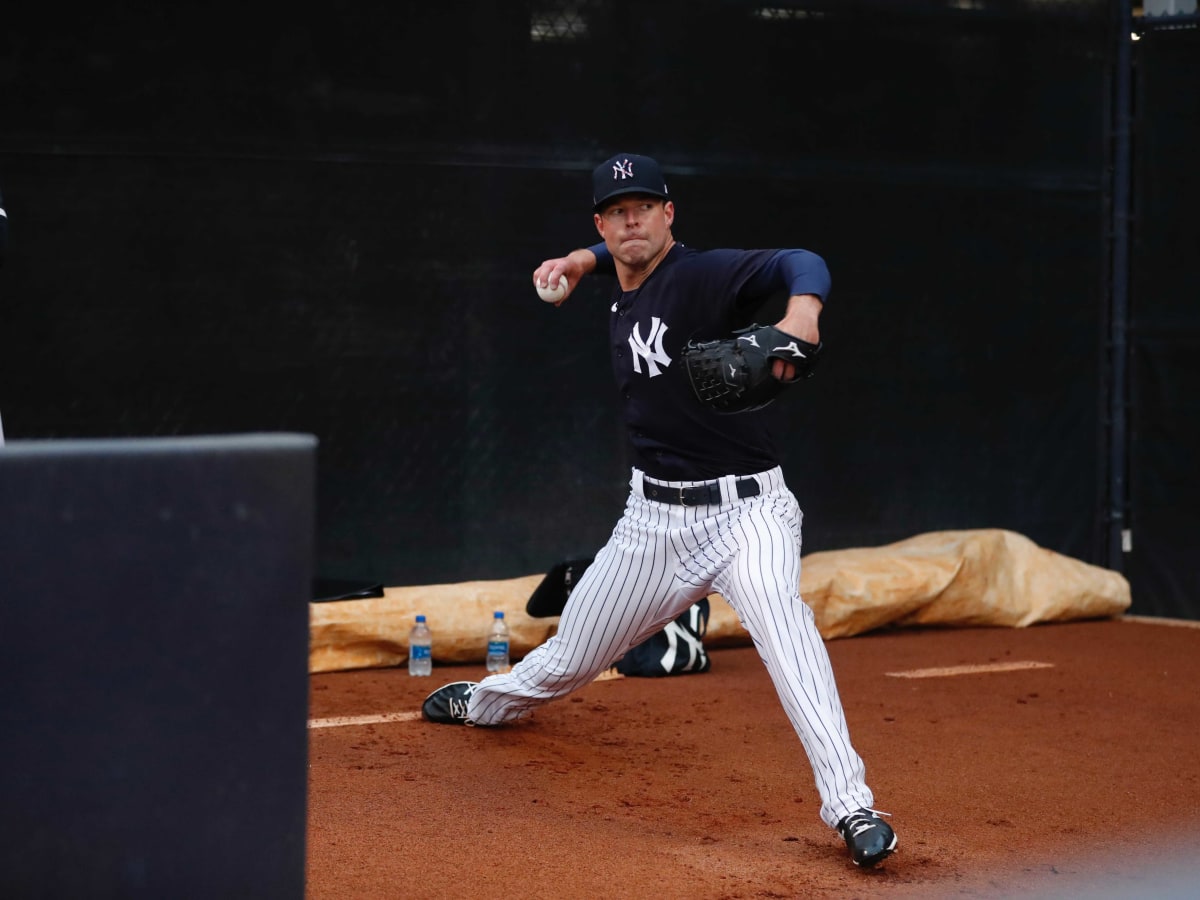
(604, 260)
(740, 281)
(797, 271)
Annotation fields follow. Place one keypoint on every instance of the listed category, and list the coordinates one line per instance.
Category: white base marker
(343, 721)
(1157, 620)
(948, 671)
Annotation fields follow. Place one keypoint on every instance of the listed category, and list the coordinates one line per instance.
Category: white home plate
(947, 671)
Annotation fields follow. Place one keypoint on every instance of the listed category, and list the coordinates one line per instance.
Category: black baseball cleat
(869, 839)
(448, 704)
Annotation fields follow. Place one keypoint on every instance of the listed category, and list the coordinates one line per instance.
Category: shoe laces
(863, 820)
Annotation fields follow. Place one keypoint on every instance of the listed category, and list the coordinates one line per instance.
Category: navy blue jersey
(696, 295)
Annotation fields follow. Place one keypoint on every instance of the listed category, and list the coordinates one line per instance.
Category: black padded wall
(154, 649)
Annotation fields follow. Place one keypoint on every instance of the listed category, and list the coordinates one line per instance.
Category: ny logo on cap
(622, 170)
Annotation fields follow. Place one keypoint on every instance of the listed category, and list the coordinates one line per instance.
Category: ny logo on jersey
(642, 349)
(622, 170)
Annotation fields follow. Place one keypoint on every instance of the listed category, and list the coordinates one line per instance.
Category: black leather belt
(699, 495)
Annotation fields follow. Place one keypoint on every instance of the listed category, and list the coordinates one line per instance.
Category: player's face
(636, 228)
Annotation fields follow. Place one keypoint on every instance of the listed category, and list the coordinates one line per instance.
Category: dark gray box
(154, 660)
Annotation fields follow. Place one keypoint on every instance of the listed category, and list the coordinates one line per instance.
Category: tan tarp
(945, 578)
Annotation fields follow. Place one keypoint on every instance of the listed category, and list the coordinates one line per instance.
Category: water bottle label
(497, 647)
(419, 652)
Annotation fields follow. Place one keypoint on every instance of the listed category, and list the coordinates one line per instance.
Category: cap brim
(624, 191)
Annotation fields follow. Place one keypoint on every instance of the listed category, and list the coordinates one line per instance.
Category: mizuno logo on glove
(735, 374)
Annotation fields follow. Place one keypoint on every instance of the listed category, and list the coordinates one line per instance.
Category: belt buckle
(683, 496)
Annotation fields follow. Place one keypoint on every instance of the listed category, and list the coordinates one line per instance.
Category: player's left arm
(805, 276)
(800, 320)
(802, 317)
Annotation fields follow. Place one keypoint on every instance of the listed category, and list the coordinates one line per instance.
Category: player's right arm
(574, 265)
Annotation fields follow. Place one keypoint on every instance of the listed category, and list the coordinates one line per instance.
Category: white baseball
(554, 293)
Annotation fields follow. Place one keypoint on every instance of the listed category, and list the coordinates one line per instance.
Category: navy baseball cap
(626, 173)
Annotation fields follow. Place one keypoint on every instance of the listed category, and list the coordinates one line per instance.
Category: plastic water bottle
(420, 649)
(497, 645)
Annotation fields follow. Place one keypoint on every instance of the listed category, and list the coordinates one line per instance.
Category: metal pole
(1119, 533)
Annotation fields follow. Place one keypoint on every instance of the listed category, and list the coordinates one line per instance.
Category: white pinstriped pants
(660, 560)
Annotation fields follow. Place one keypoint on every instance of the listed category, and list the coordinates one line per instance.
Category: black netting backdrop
(327, 221)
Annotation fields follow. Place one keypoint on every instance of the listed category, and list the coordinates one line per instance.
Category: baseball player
(708, 508)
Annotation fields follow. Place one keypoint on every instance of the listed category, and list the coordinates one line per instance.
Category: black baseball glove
(734, 375)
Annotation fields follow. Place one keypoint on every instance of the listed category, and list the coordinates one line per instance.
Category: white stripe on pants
(659, 561)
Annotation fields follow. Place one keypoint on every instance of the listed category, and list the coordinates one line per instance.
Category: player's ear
(669, 212)
(599, 220)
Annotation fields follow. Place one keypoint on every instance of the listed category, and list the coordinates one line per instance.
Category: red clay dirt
(1081, 777)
